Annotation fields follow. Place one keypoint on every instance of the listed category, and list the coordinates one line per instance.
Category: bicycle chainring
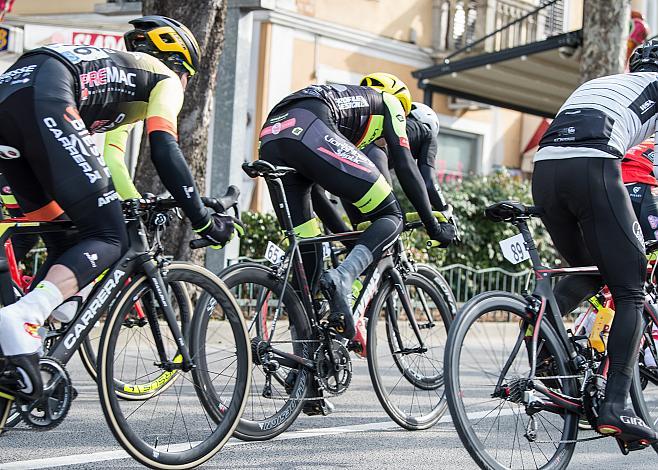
(53, 406)
(334, 376)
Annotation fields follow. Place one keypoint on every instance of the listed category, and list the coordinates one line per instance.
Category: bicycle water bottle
(585, 322)
(598, 338)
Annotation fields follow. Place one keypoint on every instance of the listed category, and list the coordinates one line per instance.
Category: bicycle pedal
(628, 447)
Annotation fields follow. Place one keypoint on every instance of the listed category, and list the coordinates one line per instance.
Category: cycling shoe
(21, 377)
(338, 293)
(322, 407)
(625, 425)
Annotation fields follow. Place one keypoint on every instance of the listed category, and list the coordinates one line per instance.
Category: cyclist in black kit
(422, 130)
(588, 213)
(637, 173)
(51, 100)
(318, 131)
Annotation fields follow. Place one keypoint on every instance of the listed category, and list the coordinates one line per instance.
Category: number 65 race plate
(514, 249)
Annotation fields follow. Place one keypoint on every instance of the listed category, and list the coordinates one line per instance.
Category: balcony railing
(476, 26)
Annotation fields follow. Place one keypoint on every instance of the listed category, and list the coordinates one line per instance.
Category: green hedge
(480, 237)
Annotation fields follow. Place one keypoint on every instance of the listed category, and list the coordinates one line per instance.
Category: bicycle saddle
(266, 169)
(507, 211)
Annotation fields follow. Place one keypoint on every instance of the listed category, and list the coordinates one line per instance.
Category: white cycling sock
(66, 312)
(17, 333)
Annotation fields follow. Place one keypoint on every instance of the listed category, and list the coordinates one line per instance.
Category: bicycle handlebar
(221, 205)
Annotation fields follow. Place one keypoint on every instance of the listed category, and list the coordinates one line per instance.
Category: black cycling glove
(220, 229)
(442, 232)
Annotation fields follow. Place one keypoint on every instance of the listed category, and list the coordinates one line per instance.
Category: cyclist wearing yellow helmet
(319, 131)
(51, 101)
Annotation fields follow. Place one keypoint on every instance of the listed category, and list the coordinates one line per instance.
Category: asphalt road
(358, 434)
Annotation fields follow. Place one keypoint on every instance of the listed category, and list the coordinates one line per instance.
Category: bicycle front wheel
(136, 318)
(406, 367)
(173, 429)
(486, 367)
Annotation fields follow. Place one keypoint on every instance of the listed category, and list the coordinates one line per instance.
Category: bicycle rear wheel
(408, 378)
(488, 332)
(276, 397)
(172, 429)
(644, 391)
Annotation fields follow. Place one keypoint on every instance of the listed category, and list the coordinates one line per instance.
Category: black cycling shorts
(589, 216)
(53, 166)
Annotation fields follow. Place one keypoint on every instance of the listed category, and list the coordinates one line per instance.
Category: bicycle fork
(399, 285)
(159, 288)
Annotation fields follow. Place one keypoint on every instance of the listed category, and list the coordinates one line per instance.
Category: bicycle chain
(572, 441)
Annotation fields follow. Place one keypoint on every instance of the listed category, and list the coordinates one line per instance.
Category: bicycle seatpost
(522, 225)
(281, 204)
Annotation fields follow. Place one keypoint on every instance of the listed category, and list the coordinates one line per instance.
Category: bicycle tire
(128, 391)
(648, 412)
(126, 434)
(272, 425)
(419, 380)
(473, 310)
(433, 274)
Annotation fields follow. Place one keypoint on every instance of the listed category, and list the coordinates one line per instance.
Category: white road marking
(105, 456)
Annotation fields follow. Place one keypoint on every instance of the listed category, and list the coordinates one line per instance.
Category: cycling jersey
(356, 116)
(114, 88)
(357, 111)
(637, 166)
(112, 91)
(603, 118)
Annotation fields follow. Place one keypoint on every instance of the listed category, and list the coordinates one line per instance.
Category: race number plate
(273, 253)
(514, 249)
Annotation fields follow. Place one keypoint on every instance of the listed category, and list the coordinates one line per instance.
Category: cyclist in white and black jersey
(588, 213)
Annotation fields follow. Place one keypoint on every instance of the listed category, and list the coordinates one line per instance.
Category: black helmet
(645, 57)
(166, 39)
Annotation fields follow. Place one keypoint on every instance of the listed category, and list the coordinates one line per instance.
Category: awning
(534, 78)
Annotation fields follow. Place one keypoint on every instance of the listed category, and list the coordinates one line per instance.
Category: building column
(227, 149)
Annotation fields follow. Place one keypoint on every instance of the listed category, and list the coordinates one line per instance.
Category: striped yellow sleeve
(114, 154)
(165, 102)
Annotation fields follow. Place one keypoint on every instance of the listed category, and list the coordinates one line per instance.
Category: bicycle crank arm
(291, 360)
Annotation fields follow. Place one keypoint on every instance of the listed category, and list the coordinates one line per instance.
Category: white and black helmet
(426, 115)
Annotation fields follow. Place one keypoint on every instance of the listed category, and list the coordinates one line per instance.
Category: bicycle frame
(543, 305)
(137, 259)
(384, 267)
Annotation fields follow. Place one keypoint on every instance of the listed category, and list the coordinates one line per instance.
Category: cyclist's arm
(165, 102)
(426, 167)
(405, 168)
(114, 155)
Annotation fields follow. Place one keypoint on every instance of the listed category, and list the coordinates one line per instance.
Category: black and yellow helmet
(389, 83)
(166, 39)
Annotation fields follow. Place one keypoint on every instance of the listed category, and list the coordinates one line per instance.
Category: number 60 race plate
(514, 249)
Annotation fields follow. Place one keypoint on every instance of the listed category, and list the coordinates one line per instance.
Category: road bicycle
(518, 382)
(127, 390)
(299, 359)
(173, 428)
